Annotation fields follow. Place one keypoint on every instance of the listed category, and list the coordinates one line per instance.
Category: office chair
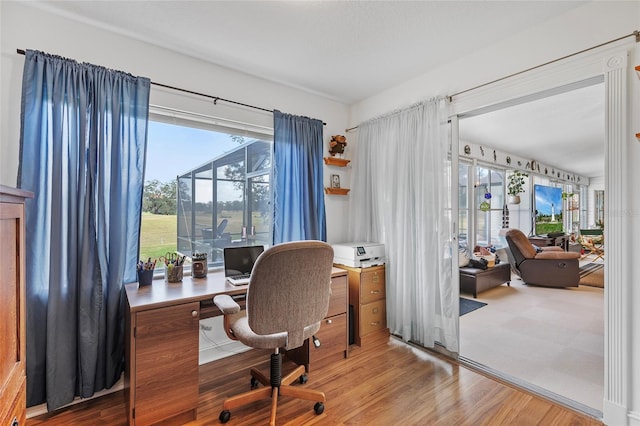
(221, 227)
(287, 297)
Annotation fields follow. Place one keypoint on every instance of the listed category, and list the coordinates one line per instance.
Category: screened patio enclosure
(226, 201)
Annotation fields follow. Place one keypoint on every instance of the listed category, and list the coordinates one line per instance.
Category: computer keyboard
(240, 279)
(240, 276)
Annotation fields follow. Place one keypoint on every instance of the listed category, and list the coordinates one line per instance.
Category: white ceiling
(344, 50)
(565, 130)
(351, 50)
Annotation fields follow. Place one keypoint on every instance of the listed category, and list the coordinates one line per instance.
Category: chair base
(270, 391)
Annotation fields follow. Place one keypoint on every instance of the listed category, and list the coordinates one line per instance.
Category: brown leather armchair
(551, 267)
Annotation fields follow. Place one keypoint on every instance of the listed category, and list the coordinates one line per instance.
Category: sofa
(543, 266)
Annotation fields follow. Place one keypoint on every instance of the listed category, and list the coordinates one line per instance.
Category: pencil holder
(145, 277)
(173, 274)
(199, 265)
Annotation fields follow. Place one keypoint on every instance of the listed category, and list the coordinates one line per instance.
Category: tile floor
(214, 343)
(552, 338)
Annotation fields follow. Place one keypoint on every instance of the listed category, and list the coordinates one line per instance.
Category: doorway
(548, 340)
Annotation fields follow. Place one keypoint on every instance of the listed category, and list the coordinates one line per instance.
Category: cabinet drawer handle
(375, 323)
(374, 291)
(375, 278)
(374, 310)
(194, 314)
(329, 321)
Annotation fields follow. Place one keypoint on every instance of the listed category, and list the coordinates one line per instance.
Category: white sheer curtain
(400, 193)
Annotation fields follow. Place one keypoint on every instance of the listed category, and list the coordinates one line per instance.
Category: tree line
(160, 198)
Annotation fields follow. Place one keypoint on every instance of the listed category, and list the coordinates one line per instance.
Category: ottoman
(474, 280)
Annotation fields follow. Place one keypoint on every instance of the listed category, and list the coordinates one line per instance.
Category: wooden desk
(161, 344)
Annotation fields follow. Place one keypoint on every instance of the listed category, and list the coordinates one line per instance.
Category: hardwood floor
(389, 384)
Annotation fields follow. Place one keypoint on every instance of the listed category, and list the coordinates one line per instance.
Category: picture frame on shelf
(335, 181)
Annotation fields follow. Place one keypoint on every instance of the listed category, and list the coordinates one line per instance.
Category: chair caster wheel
(318, 408)
(224, 416)
(254, 383)
(303, 379)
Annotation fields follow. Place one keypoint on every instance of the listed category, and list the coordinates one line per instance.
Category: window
(489, 222)
(206, 188)
(463, 204)
(599, 208)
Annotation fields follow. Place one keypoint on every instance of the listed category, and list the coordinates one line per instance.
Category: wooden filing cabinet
(162, 364)
(333, 333)
(13, 379)
(367, 295)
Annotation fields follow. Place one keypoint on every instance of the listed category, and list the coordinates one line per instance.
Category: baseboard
(38, 410)
(634, 418)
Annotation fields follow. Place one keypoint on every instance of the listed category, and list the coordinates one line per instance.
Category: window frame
(204, 122)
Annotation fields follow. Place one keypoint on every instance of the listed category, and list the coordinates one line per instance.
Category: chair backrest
(289, 289)
(221, 227)
(591, 232)
(521, 247)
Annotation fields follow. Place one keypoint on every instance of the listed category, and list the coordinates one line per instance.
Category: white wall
(580, 28)
(27, 27)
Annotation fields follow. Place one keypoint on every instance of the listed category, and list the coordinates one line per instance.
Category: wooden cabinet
(333, 333)
(13, 379)
(367, 295)
(162, 364)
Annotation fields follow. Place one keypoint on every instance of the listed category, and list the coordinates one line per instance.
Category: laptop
(238, 263)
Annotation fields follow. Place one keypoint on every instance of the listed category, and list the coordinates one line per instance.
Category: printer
(358, 255)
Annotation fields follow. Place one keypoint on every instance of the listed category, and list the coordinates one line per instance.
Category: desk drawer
(338, 300)
(333, 338)
(372, 286)
(373, 317)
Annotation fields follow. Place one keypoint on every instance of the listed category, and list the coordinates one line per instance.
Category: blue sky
(173, 150)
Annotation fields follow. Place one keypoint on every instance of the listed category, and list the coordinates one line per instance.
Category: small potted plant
(337, 144)
(516, 186)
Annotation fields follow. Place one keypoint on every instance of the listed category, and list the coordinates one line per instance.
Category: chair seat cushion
(243, 333)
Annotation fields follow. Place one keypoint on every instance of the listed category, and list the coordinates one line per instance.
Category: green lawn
(158, 232)
(157, 235)
(546, 227)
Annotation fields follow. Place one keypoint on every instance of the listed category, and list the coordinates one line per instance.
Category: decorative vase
(514, 199)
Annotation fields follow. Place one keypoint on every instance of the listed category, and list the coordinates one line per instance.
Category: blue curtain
(298, 184)
(83, 141)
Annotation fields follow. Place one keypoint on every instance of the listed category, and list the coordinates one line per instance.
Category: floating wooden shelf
(638, 135)
(334, 161)
(337, 191)
(637, 67)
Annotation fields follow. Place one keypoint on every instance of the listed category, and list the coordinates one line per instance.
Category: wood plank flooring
(389, 384)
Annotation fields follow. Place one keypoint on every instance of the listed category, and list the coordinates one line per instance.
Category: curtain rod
(636, 34)
(215, 98)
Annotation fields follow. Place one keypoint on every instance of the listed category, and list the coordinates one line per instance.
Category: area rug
(467, 305)
(594, 278)
(590, 268)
